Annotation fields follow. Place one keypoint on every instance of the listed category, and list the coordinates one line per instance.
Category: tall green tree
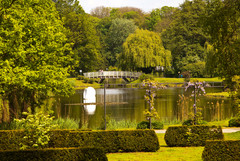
(153, 19)
(222, 22)
(185, 37)
(34, 55)
(118, 32)
(144, 49)
(82, 33)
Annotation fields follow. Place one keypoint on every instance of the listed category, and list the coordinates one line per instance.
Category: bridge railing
(112, 74)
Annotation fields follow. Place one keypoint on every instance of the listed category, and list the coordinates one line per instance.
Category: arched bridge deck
(113, 74)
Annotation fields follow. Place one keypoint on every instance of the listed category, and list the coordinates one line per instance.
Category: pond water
(169, 105)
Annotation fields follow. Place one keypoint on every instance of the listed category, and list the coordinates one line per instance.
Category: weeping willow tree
(143, 49)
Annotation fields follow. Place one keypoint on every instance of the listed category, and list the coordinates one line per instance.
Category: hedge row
(192, 135)
(60, 154)
(109, 141)
(222, 150)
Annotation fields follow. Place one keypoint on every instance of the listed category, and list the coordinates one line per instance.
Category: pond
(129, 104)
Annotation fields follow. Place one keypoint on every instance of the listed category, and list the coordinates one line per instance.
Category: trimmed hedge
(60, 154)
(110, 141)
(222, 150)
(235, 122)
(192, 135)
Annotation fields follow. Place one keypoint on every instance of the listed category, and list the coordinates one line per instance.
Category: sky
(145, 5)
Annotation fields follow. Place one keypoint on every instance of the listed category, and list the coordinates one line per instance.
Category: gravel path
(227, 130)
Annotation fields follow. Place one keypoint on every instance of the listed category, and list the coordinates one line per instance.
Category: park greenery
(45, 45)
(45, 41)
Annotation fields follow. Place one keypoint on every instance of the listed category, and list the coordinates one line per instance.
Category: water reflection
(89, 96)
(166, 104)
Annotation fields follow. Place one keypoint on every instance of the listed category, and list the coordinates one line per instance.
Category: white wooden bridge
(113, 74)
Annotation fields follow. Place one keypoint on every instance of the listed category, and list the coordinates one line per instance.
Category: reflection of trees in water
(212, 110)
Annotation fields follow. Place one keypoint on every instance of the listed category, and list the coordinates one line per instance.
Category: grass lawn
(78, 84)
(167, 153)
(220, 94)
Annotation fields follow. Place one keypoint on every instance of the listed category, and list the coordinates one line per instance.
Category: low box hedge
(192, 135)
(60, 154)
(110, 141)
(228, 150)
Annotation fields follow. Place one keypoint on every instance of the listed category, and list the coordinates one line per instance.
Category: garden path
(225, 130)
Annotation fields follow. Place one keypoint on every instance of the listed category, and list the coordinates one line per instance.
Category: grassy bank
(79, 84)
(167, 153)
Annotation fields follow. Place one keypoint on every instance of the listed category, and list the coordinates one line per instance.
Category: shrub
(91, 80)
(36, 128)
(235, 122)
(192, 135)
(146, 77)
(109, 141)
(190, 122)
(80, 77)
(221, 150)
(64, 154)
(145, 125)
(86, 80)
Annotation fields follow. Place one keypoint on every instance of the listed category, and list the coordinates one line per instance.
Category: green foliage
(221, 22)
(197, 70)
(145, 125)
(110, 141)
(236, 98)
(66, 123)
(192, 135)
(36, 130)
(186, 75)
(185, 37)
(77, 154)
(144, 49)
(146, 77)
(221, 150)
(190, 122)
(82, 32)
(152, 86)
(123, 124)
(153, 19)
(34, 57)
(117, 34)
(235, 122)
(80, 77)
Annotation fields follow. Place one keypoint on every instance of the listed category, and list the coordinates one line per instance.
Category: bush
(64, 154)
(145, 125)
(221, 150)
(235, 122)
(190, 122)
(109, 141)
(80, 77)
(36, 129)
(86, 80)
(192, 135)
(146, 77)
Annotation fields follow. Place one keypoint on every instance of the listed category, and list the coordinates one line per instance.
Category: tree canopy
(222, 21)
(143, 49)
(118, 32)
(34, 55)
(185, 37)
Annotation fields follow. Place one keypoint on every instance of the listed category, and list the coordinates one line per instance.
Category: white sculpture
(89, 96)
